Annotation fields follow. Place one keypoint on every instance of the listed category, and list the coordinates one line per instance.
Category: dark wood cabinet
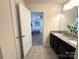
(62, 49)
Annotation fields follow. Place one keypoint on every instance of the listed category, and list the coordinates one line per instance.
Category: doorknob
(23, 36)
(17, 37)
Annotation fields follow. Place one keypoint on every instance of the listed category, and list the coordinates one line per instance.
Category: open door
(25, 24)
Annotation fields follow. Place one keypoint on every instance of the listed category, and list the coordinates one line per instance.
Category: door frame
(43, 22)
(13, 3)
(20, 34)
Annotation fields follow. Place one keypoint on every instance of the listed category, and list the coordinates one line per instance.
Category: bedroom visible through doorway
(37, 25)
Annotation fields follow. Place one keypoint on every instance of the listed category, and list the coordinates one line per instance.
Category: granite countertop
(69, 39)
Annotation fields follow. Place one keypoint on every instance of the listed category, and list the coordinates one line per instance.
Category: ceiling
(46, 1)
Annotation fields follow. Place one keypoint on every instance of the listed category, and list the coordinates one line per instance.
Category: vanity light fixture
(70, 4)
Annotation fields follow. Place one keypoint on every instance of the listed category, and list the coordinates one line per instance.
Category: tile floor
(40, 52)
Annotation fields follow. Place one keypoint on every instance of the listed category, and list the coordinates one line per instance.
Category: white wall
(51, 19)
(1, 57)
(7, 41)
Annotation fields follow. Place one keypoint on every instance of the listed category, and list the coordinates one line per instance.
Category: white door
(16, 28)
(25, 23)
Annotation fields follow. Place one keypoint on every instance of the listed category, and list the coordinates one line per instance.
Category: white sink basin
(73, 42)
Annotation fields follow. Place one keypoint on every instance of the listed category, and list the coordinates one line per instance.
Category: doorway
(37, 26)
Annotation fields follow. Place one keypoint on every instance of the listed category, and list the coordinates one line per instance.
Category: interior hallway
(40, 52)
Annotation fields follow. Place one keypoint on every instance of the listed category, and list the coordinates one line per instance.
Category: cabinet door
(56, 45)
(66, 51)
(62, 51)
(52, 37)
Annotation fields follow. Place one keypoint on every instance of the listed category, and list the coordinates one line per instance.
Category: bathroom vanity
(63, 44)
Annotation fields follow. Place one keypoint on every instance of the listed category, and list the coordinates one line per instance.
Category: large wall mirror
(69, 18)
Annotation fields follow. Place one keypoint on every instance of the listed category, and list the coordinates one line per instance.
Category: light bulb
(70, 5)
